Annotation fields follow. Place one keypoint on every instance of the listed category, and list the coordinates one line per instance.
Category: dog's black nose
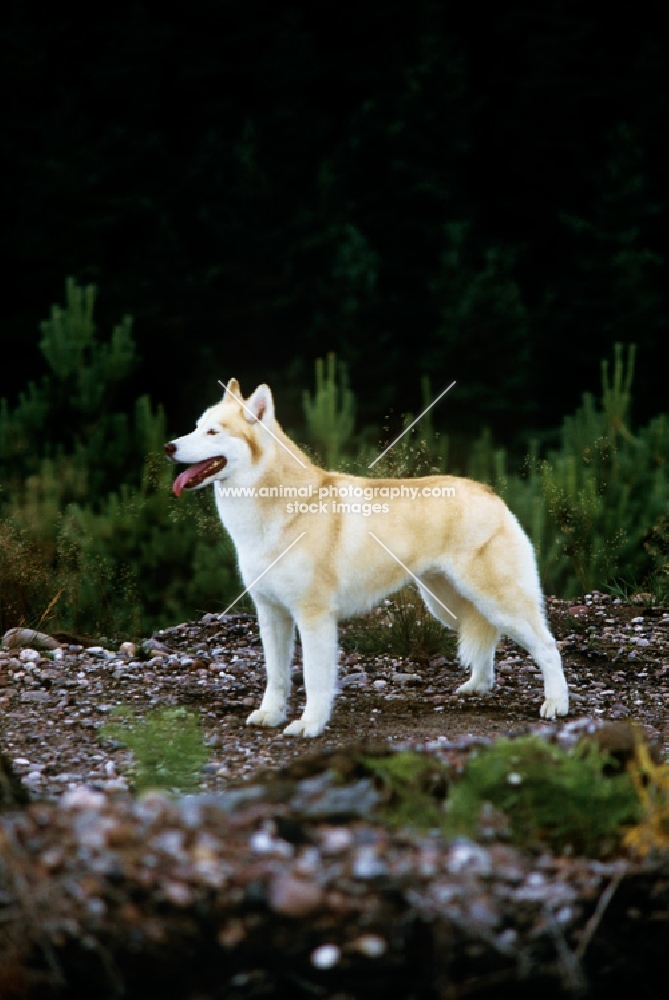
(170, 448)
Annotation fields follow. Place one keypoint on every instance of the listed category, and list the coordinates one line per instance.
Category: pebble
(406, 680)
(357, 680)
(326, 956)
(370, 945)
(29, 655)
(465, 854)
(82, 797)
(294, 897)
(367, 864)
(336, 839)
(28, 637)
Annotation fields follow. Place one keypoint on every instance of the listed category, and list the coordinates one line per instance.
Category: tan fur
(467, 552)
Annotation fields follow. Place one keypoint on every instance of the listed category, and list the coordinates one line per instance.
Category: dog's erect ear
(232, 390)
(260, 406)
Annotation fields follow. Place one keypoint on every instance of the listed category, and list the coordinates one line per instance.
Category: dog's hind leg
(277, 631)
(532, 633)
(516, 610)
(477, 638)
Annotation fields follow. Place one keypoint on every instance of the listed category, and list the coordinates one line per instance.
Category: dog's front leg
(319, 664)
(277, 632)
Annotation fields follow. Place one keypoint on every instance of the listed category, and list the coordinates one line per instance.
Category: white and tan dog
(312, 549)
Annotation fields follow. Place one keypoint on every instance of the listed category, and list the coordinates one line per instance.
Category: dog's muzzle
(196, 474)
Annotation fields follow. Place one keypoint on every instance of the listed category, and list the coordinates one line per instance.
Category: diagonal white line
(419, 582)
(278, 440)
(280, 556)
(412, 424)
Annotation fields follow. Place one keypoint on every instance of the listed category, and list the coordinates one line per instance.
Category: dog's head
(228, 438)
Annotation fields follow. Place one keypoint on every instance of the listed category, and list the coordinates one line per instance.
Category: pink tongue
(185, 477)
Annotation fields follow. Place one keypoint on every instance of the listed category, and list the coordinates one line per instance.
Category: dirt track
(616, 661)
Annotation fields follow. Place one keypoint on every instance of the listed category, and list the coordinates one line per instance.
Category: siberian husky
(315, 546)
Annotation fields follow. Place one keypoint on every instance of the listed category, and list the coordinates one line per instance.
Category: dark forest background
(415, 192)
(423, 187)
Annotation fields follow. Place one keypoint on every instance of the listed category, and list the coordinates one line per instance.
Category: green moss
(539, 795)
(560, 799)
(167, 745)
(414, 786)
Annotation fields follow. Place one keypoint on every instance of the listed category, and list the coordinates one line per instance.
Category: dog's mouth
(196, 474)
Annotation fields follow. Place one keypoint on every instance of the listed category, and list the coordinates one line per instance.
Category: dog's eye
(212, 431)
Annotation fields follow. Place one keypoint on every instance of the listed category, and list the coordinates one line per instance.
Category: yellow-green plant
(651, 781)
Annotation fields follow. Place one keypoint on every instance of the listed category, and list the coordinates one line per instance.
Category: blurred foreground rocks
(286, 887)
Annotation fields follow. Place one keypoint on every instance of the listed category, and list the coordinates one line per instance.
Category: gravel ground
(286, 885)
(54, 702)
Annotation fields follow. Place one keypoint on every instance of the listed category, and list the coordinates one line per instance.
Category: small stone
(178, 893)
(465, 854)
(232, 933)
(336, 839)
(294, 897)
(326, 956)
(28, 637)
(81, 798)
(367, 864)
(356, 680)
(407, 680)
(29, 655)
(370, 945)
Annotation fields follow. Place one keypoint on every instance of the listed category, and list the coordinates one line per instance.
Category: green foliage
(69, 346)
(402, 627)
(330, 412)
(421, 451)
(593, 507)
(94, 541)
(68, 415)
(27, 591)
(415, 786)
(167, 745)
(93, 538)
(539, 795)
(552, 797)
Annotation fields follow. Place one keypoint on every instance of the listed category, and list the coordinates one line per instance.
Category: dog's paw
(555, 706)
(266, 717)
(305, 727)
(474, 687)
